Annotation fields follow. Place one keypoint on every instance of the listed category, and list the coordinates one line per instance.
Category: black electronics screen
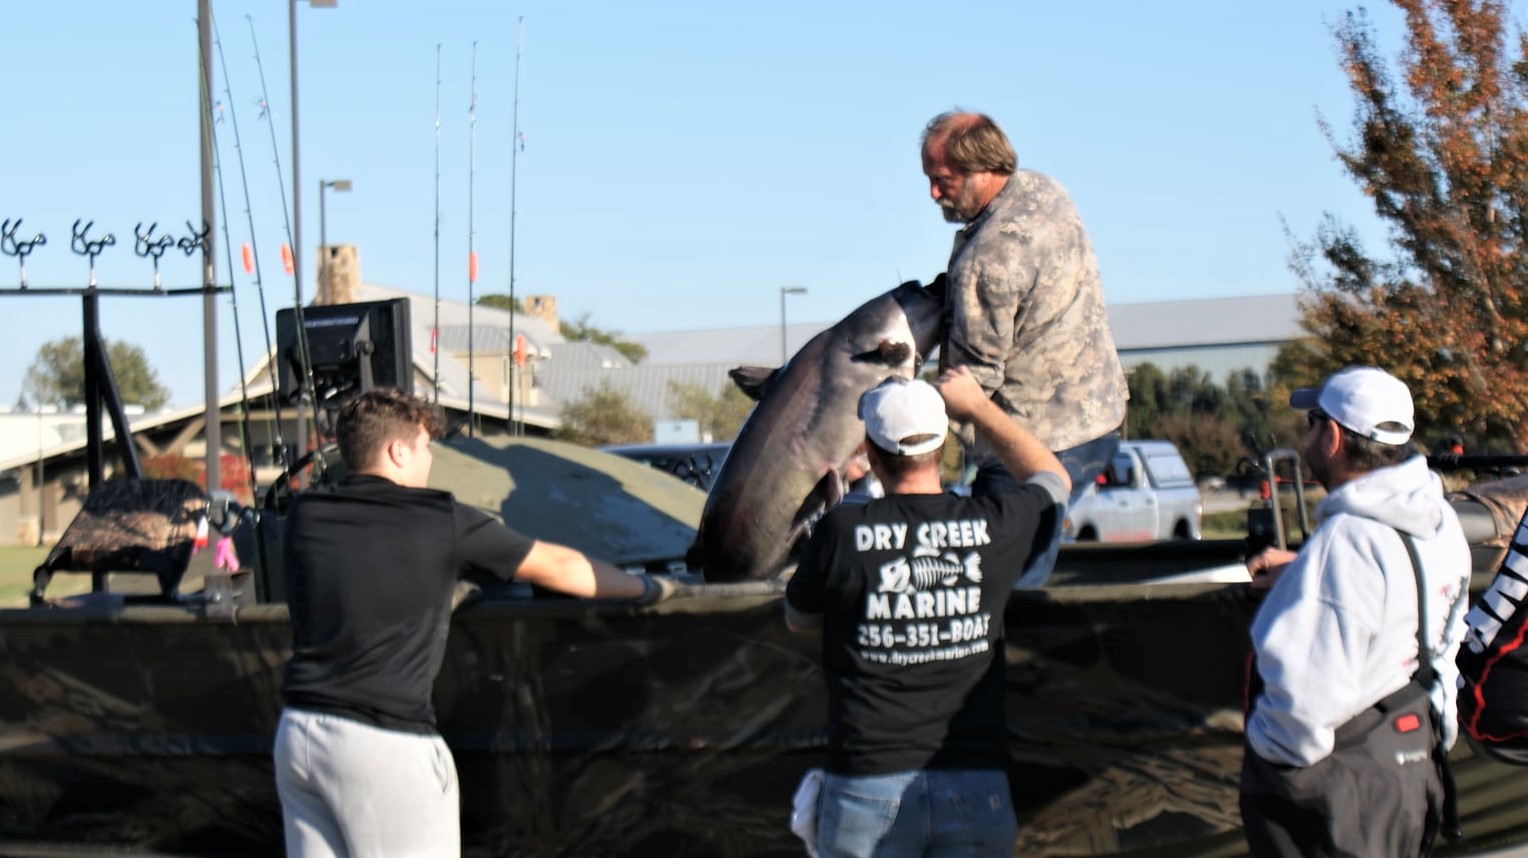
(352, 348)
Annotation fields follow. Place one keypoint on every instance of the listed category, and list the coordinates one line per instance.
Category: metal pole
(296, 168)
(435, 328)
(514, 152)
(786, 290)
(323, 247)
(783, 356)
(471, 253)
(94, 458)
(301, 441)
(213, 431)
(39, 475)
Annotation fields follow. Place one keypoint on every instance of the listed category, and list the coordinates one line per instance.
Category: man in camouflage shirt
(1025, 307)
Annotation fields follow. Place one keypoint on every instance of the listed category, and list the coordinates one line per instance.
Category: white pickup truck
(1146, 493)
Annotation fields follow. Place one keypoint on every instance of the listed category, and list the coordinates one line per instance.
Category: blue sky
(683, 159)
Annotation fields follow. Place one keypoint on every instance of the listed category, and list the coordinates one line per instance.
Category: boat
(681, 727)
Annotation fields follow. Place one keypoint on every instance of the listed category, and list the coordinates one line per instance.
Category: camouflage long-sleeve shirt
(1026, 315)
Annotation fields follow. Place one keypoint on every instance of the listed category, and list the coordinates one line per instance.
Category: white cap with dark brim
(1367, 401)
(899, 410)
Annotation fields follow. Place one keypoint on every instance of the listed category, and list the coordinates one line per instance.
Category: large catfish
(783, 467)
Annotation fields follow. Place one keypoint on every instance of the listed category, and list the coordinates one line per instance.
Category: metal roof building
(1218, 335)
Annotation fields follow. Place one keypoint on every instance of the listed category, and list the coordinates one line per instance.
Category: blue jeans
(1083, 464)
(957, 812)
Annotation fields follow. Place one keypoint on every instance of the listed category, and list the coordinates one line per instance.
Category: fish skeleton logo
(929, 569)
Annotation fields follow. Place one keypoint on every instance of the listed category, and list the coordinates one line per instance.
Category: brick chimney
(338, 279)
(543, 307)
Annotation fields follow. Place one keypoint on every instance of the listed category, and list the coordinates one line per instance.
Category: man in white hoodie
(1341, 734)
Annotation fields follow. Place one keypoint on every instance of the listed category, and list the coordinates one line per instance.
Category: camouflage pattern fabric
(1026, 315)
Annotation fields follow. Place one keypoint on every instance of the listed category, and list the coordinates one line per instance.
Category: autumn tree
(1440, 144)
(58, 374)
(604, 415)
(720, 415)
(233, 472)
(1210, 443)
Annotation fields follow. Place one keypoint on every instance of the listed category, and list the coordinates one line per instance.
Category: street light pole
(786, 290)
(343, 186)
(296, 152)
(301, 441)
(212, 433)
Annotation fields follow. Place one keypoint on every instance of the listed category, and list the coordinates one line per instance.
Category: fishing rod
(288, 258)
(257, 522)
(1476, 461)
(265, 113)
(471, 252)
(514, 151)
(276, 438)
(435, 330)
(233, 294)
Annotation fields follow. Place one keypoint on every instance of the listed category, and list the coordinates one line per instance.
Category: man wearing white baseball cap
(909, 591)
(1354, 680)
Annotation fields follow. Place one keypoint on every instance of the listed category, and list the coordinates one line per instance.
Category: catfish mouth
(888, 353)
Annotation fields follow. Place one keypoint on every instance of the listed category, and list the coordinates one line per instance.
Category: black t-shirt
(371, 566)
(912, 589)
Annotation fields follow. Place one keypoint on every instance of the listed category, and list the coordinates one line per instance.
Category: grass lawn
(16, 565)
(1224, 525)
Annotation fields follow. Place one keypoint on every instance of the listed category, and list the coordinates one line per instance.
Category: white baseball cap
(1368, 401)
(899, 409)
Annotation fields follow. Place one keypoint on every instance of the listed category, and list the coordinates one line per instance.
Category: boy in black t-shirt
(372, 564)
(909, 591)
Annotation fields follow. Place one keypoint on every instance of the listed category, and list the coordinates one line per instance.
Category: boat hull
(584, 728)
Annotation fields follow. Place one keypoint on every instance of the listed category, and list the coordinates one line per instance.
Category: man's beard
(962, 208)
(1320, 467)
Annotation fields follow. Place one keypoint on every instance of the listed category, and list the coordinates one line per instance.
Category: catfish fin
(938, 287)
(828, 493)
(753, 380)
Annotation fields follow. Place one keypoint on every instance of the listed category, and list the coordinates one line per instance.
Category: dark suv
(696, 464)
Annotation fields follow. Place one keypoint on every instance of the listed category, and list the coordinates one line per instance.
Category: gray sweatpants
(351, 789)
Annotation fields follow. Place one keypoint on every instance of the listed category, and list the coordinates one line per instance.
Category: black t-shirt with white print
(912, 589)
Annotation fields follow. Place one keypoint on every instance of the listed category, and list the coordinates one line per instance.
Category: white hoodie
(1337, 633)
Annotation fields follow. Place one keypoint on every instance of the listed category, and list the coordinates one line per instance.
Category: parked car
(696, 464)
(1146, 493)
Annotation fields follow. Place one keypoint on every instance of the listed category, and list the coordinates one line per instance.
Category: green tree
(720, 415)
(58, 374)
(1214, 425)
(604, 415)
(1148, 386)
(500, 301)
(1440, 144)
(1153, 393)
(1262, 412)
(583, 330)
